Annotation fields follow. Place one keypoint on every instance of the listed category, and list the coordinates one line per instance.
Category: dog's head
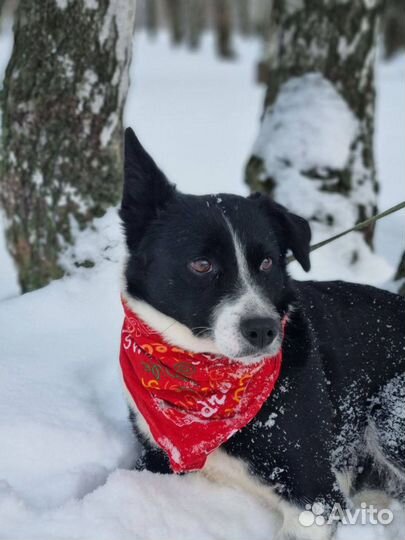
(211, 268)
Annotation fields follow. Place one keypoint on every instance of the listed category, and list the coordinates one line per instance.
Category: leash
(358, 227)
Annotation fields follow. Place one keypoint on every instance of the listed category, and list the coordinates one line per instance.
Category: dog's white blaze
(248, 303)
(248, 284)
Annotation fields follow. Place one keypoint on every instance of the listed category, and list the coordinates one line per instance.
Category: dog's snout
(259, 331)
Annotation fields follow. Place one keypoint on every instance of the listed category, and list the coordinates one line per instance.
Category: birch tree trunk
(314, 150)
(64, 92)
(400, 275)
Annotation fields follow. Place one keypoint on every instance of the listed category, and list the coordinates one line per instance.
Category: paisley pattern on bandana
(192, 402)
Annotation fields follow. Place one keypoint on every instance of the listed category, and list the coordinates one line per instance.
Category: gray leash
(358, 227)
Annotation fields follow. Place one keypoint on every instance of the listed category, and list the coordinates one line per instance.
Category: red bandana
(192, 402)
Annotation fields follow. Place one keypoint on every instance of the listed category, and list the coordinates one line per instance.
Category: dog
(210, 273)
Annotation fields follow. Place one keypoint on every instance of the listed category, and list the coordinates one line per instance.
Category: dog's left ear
(293, 231)
(146, 190)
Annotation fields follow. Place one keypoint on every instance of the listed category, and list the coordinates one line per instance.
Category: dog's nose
(259, 331)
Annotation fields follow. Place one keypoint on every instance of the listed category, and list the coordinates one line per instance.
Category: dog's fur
(334, 425)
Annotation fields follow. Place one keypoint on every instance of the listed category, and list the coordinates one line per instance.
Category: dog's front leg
(311, 503)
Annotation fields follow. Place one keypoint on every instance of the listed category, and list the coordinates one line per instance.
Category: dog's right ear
(146, 189)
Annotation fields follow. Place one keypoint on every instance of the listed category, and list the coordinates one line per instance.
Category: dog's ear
(293, 231)
(146, 189)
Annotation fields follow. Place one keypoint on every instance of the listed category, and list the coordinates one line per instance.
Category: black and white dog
(212, 270)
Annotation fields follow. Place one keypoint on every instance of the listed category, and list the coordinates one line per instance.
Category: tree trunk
(195, 15)
(260, 11)
(394, 27)
(64, 92)
(244, 19)
(315, 141)
(151, 17)
(400, 275)
(175, 16)
(223, 28)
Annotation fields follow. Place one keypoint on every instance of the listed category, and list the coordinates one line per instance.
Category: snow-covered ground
(66, 447)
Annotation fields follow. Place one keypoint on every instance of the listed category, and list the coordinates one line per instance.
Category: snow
(68, 66)
(390, 144)
(85, 87)
(142, 506)
(196, 115)
(62, 4)
(120, 19)
(312, 124)
(66, 446)
(310, 127)
(91, 4)
(108, 129)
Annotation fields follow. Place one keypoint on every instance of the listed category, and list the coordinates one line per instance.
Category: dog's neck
(171, 330)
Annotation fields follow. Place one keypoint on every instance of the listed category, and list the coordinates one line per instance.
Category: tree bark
(333, 41)
(64, 92)
(400, 275)
(260, 11)
(175, 15)
(195, 14)
(394, 27)
(151, 17)
(223, 28)
(244, 19)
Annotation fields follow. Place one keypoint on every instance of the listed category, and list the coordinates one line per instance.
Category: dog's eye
(201, 266)
(266, 264)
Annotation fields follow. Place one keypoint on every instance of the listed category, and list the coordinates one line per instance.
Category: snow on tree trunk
(64, 92)
(314, 151)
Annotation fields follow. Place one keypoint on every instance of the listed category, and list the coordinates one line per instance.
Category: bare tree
(151, 16)
(175, 16)
(244, 17)
(320, 89)
(394, 26)
(223, 20)
(196, 17)
(64, 92)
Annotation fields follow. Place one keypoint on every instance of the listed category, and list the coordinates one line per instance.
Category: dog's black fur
(343, 352)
